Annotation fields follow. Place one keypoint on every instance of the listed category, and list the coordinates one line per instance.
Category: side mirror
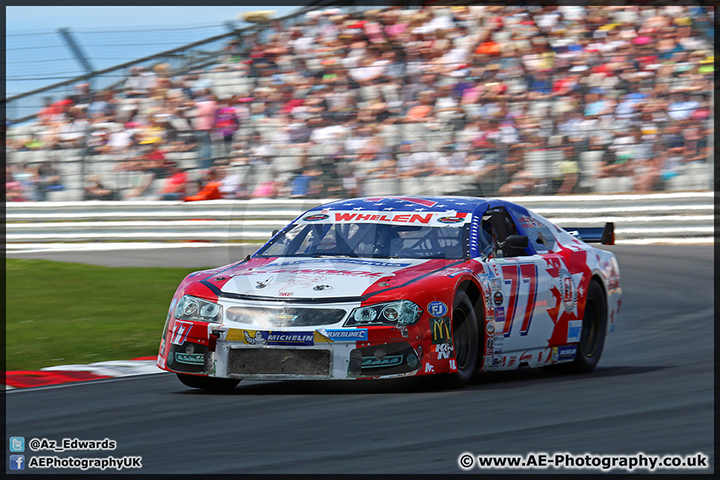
(274, 232)
(516, 242)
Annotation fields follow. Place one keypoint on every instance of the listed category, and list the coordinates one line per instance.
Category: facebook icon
(17, 462)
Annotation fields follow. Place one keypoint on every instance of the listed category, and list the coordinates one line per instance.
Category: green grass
(64, 313)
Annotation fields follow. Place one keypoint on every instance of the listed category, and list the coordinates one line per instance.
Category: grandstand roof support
(75, 48)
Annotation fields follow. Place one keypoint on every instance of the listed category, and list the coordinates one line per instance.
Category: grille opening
(278, 361)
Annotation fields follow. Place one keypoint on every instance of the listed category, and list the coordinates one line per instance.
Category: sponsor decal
(285, 294)
(525, 357)
(512, 360)
(384, 217)
(316, 217)
(263, 283)
(498, 298)
(180, 332)
(498, 343)
(357, 335)
(429, 368)
(490, 328)
(437, 309)
(574, 329)
(455, 273)
(554, 354)
(420, 218)
(444, 351)
(489, 345)
(451, 219)
(440, 330)
(452, 365)
(540, 357)
(387, 361)
(190, 358)
(349, 261)
(500, 314)
(496, 361)
(527, 222)
(496, 283)
(259, 337)
(316, 271)
(566, 352)
(567, 289)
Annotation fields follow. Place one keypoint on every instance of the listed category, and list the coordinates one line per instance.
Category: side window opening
(498, 224)
(540, 236)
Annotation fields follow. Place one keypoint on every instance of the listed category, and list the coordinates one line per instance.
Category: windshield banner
(434, 219)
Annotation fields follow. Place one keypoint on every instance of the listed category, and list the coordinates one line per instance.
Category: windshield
(374, 240)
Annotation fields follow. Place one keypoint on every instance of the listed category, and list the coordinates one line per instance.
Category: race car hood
(321, 277)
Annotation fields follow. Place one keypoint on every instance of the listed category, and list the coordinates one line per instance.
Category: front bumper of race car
(333, 351)
(294, 354)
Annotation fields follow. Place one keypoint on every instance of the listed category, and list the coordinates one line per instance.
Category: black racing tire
(208, 383)
(465, 342)
(592, 338)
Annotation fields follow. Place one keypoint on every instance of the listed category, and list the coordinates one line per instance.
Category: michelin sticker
(566, 352)
(259, 337)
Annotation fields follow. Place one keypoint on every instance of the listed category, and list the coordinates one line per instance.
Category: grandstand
(480, 100)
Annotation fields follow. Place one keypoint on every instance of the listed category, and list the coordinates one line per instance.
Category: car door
(520, 290)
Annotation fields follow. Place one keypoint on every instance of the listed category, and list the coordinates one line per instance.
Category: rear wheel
(592, 338)
(465, 341)
(208, 383)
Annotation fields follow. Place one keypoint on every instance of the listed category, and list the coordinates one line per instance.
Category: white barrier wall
(652, 218)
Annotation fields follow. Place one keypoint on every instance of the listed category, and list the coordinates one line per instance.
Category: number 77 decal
(513, 275)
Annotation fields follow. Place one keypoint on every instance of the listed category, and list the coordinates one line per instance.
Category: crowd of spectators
(511, 96)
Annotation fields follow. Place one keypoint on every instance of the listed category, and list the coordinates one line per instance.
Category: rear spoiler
(605, 235)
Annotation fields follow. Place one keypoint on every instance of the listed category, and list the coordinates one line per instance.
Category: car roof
(409, 204)
(474, 205)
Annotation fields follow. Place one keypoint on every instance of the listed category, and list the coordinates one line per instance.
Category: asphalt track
(652, 392)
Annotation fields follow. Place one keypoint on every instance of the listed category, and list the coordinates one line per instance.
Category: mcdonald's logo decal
(440, 330)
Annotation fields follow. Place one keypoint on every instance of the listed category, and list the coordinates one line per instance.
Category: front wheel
(465, 341)
(208, 383)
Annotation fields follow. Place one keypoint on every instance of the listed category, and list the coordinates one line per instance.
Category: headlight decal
(194, 308)
(400, 312)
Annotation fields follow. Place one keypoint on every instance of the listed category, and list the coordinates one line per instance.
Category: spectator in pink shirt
(226, 122)
(205, 109)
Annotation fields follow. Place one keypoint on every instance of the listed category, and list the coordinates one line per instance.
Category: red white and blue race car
(393, 287)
